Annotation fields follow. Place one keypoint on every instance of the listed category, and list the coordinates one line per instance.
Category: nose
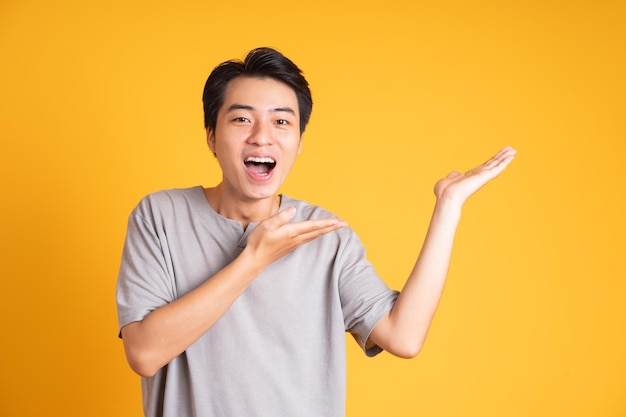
(261, 134)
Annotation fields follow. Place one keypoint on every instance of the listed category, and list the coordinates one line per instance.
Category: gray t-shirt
(280, 349)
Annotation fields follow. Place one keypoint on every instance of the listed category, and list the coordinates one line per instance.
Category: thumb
(281, 218)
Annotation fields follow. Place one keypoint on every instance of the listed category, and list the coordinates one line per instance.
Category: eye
(241, 119)
(282, 122)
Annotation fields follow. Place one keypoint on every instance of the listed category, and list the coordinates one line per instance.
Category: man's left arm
(403, 330)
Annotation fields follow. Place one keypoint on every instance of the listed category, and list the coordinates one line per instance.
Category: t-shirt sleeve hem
(129, 317)
(368, 326)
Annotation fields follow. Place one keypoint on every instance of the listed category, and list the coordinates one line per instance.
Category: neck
(243, 210)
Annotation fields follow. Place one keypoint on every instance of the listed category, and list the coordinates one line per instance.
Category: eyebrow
(237, 106)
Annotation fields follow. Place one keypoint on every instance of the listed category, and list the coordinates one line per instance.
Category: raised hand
(459, 187)
(276, 236)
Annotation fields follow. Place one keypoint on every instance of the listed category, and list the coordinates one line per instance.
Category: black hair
(260, 62)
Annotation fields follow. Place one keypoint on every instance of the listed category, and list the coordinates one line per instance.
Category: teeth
(258, 160)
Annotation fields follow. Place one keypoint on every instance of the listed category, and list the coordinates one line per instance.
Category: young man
(234, 300)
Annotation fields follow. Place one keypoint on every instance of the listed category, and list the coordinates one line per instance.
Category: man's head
(260, 63)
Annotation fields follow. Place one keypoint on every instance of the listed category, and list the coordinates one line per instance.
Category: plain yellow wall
(100, 104)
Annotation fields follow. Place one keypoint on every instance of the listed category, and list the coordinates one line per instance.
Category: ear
(300, 145)
(210, 139)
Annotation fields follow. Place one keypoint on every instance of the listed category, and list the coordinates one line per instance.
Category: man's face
(257, 137)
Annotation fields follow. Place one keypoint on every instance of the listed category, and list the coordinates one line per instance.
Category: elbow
(405, 343)
(406, 349)
(141, 365)
(141, 359)
(408, 352)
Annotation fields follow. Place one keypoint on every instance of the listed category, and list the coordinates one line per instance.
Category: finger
(310, 229)
(280, 219)
(314, 234)
(504, 151)
(496, 157)
(505, 154)
(496, 169)
(311, 226)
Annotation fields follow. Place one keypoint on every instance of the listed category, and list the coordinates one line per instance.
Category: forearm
(405, 328)
(169, 330)
(403, 331)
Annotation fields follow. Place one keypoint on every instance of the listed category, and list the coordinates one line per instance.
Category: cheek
(291, 143)
(293, 156)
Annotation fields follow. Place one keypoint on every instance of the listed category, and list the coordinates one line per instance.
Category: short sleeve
(145, 280)
(365, 298)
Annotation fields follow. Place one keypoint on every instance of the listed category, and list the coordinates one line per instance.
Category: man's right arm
(169, 330)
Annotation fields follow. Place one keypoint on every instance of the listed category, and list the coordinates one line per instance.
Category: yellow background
(100, 105)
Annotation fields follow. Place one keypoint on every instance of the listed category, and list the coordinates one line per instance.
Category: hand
(459, 187)
(276, 236)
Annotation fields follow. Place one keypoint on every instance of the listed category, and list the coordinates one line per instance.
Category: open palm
(460, 186)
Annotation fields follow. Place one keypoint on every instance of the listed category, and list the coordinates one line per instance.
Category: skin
(260, 118)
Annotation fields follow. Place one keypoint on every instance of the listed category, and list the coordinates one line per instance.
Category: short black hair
(261, 63)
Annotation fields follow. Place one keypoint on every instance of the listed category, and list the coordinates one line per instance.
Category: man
(234, 300)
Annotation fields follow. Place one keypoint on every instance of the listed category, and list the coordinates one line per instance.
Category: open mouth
(260, 166)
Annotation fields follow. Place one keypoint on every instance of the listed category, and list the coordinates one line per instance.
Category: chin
(264, 194)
